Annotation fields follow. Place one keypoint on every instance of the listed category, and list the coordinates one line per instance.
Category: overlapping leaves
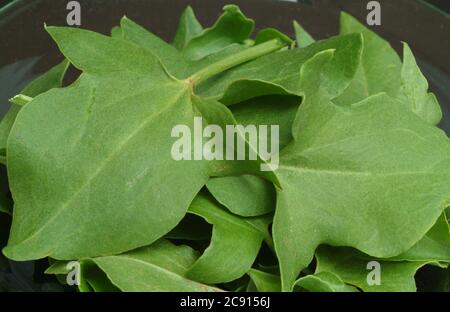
(362, 164)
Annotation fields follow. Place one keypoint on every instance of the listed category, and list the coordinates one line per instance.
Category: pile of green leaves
(364, 172)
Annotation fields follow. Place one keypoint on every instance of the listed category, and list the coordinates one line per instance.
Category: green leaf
(57, 267)
(175, 61)
(51, 79)
(95, 279)
(302, 37)
(268, 110)
(352, 177)
(397, 273)
(279, 73)
(116, 32)
(159, 267)
(91, 278)
(435, 245)
(246, 195)
(252, 195)
(380, 66)
(97, 141)
(234, 244)
(195, 66)
(265, 282)
(324, 282)
(167, 54)
(352, 267)
(188, 28)
(414, 90)
(231, 27)
(268, 34)
(362, 166)
(382, 71)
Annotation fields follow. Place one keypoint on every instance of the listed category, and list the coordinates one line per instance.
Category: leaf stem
(21, 99)
(236, 59)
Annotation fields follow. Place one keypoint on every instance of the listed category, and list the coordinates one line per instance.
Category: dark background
(443, 5)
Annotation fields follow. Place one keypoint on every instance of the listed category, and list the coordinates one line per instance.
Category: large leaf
(99, 137)
(79, 169)
(234, 244)
(352, 177)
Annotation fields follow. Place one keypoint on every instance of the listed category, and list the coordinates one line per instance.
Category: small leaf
(414, 89)
(324, 282)
(116, 32)
(302, 37)
(167, 54)
(188, 28)
(380, 66)
(156, 268)
(247, 195)
(435, 245)
(279, 73)
(234, 244)
(352, 267)
(265, 282)
(231, 27)
(160, 267)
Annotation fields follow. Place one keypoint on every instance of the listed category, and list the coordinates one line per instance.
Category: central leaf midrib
(353, 172)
